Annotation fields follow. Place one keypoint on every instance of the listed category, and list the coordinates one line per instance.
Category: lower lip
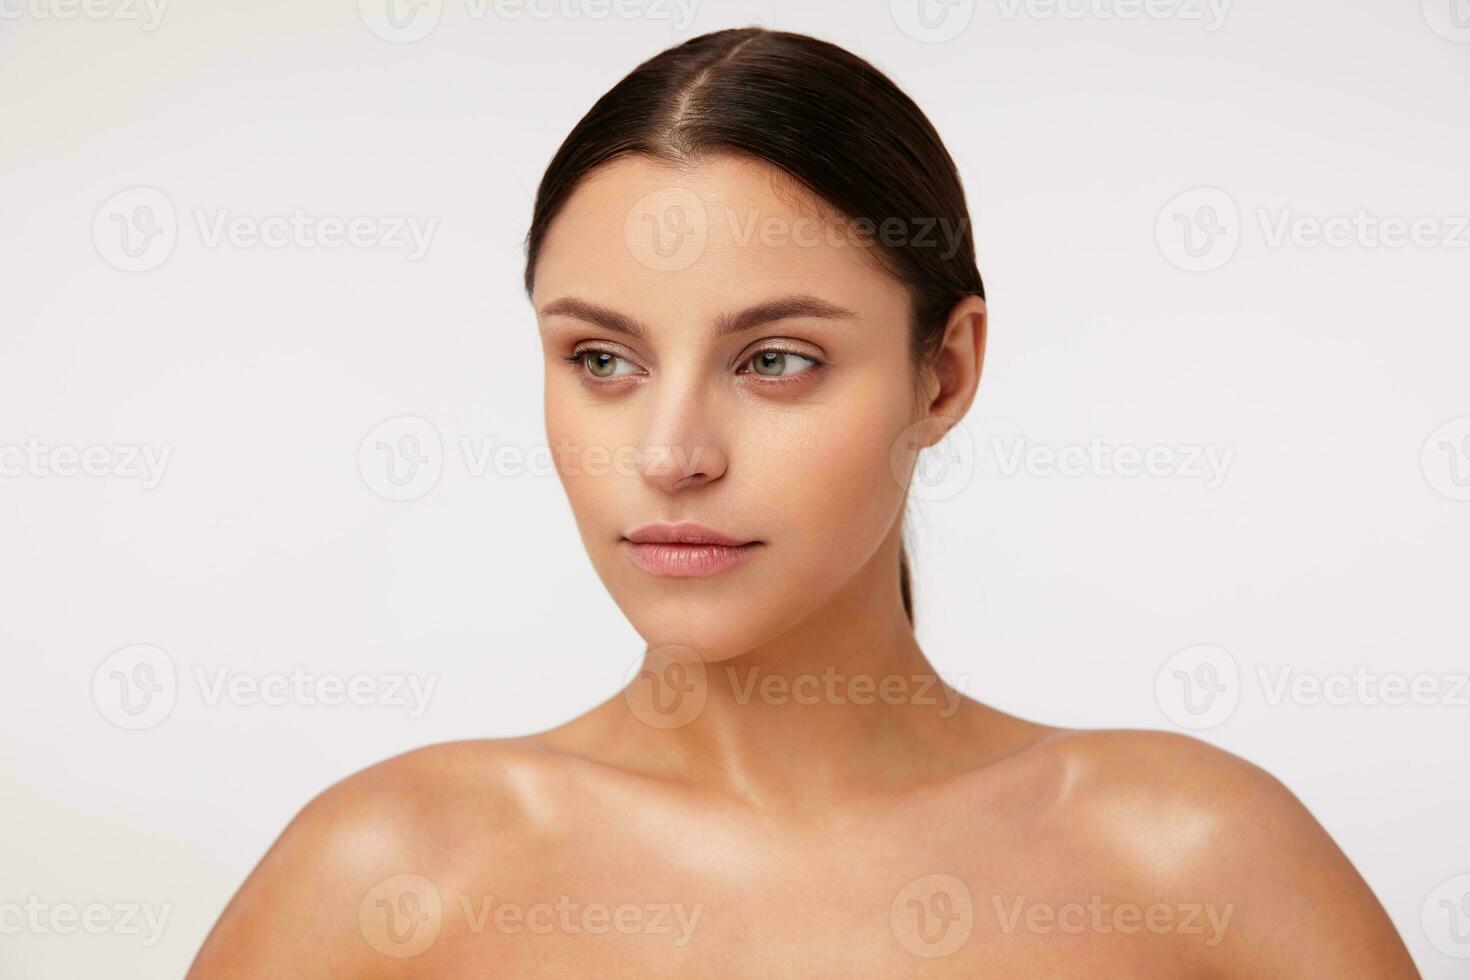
(687, 560)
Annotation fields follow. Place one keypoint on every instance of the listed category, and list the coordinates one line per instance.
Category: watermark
(482, 457)
(678, 13)
(1207, 463)
(406, 21)
(117, 461)
(570, 917)
(669, 229)
(932, 916)
(1109, 918)
(1445, 459)
(941, 234)
(298, 686)
(1202, 686)
(400, 21)
(137, 688)
(401, 458)
(1284, 684)
(144, 921)
(1209, 13)
(1002, 452)
(403, 916)
(147, 14)
(404, 457)
(1445, 917)
(1198, 687)
(937, 471)
(408, 233)
(833, 687)
(1200, 229)
(932, 21)
(668, 687)
(1450, 19)
(1362, 229)
(136, 230)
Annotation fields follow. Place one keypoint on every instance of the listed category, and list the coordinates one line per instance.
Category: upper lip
(685, 533)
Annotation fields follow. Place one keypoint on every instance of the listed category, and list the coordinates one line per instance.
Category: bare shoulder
(379, 834)
(1175, 821)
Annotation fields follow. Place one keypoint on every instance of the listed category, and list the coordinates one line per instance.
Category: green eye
(599, 363)
(773, 363)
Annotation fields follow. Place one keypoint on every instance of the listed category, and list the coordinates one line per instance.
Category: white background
(1334, 542)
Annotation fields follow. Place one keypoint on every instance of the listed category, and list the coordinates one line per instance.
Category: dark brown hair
(818, 112)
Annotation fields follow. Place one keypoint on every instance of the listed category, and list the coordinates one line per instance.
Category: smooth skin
(787, 815)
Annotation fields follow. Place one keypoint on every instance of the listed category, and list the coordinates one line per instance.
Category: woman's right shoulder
(409, 817)
(416, 784)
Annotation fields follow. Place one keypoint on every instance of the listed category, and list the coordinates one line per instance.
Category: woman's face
(765, 394)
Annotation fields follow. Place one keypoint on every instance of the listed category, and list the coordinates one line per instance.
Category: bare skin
(814, 802)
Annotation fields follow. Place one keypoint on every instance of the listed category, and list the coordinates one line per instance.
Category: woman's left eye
(780, 363)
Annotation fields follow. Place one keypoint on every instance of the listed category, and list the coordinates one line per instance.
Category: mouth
(685, 550)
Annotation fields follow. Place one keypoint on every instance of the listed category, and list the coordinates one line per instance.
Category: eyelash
(577, 359)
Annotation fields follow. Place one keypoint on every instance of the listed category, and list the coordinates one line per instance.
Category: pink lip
(685, 550)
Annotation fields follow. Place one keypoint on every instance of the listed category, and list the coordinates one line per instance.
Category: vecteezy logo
(1446, 459)
(932, 21)
(402, 458)
(136, 687)
(940, 471)
(1446, 917)
(1199, 230)
(1450, 19)
(401, 21)
(667, 229)
(1198, 687)
(135, 230)
(667, 687)
(401, 916)
(933, 916)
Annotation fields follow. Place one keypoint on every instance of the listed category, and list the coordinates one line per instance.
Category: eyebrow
(783, 308)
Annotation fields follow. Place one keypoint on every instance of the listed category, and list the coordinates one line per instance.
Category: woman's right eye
(600, 364)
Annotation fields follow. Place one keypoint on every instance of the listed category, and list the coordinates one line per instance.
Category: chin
(713, 628)
(683, 630)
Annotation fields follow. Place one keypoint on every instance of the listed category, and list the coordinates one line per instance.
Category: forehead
(693, 240)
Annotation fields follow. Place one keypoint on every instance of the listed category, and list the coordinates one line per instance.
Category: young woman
(755, 283)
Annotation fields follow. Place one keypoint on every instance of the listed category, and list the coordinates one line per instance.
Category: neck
(843, 703)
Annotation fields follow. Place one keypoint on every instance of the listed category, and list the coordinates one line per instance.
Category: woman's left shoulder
(1173, 820)
(1164, 768)
(1181, 801)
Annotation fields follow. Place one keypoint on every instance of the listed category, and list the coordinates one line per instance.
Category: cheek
(834, 489)
(584, 446)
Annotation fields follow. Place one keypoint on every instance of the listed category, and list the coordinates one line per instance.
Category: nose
(682, 447)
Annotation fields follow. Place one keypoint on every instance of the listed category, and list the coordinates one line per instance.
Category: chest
(871, 915)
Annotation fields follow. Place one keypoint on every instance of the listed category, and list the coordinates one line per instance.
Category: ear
(955, 374)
